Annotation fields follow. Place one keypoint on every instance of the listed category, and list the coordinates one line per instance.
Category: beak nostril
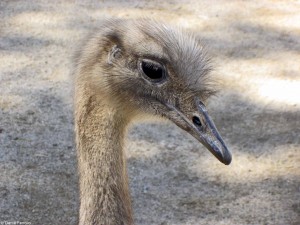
(197, 121)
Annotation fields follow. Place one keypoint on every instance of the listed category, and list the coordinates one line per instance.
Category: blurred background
(255, 47)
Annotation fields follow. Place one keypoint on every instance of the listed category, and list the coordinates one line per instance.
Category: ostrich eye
(153, 71)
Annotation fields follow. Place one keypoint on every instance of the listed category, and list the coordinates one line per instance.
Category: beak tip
(227, 162)
(226, 159)
(220, 152)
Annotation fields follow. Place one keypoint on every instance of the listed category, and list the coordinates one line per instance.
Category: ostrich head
(148, 68)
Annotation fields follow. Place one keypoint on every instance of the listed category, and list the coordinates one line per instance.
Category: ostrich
(130, 70)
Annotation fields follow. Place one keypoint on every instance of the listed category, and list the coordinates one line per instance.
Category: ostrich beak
(203, 129)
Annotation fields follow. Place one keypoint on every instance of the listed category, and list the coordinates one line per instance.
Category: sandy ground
(174, 180)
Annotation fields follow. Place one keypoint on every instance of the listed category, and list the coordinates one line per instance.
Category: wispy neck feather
(104, 190)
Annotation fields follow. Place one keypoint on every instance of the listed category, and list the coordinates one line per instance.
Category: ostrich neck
(104, 191)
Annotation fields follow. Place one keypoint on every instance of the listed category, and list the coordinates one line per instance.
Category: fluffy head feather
(110, 59)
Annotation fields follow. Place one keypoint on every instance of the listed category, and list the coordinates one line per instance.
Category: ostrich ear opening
(114, 54)
(115, 45)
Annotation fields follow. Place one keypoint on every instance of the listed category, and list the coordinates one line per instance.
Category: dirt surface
(255, 47)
